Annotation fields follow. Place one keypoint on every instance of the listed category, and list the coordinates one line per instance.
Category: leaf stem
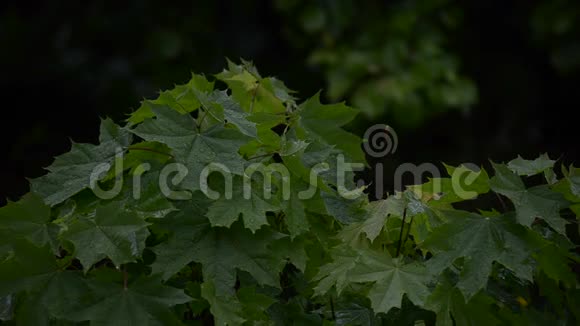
(332, 307)
(254, 92)
(148, 150)
(206, 112)
(125, 278)
(408, 230)
(401, 232)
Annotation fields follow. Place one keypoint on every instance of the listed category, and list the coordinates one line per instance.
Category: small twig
(125, 278)
(401, 233)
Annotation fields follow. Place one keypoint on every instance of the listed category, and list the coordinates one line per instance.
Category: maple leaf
(71, 172)
(255, 304)
(323, 122)
(344, 210)
(531, 203)
(219, 250)
(28, 218)
(58, 295)
(336, 272)
(30, 267)
(480, 241)
(291, 147)
(392, 279)
(377, 213)
(390, 276)
(113, 233)
(254, 93)
(193, 148)
(226, 109)
(531, 167)
(182, 98)
(227, 310)
(448, 302)
(146, 301)
(224, 212)
(464, 184)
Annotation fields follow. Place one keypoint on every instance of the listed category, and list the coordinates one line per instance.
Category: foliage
(554, 26)
(147, 255)
(400, 67)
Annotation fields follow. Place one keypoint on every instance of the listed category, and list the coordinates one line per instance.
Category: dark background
(64, 64)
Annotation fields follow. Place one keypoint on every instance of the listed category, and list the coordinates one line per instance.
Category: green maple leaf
(224, 212)
(286, 249)
(71, 172)
(146, 301)
(254, 93)
(61, 294)
(531, 167)
(392, 279)
(247, 305)
(29, 268)
(572, 175)
(426, 215)
(536, 202)
(146, 152)
(336, 273)
(225, 309)
(226, 109)
(219, 250)
(323, 122)
(255, 305)
(480, 241)
(113, 233)
(451, 309)
(390, 276)
(182, 99)
(292, 147)
(193, 148)
(377, 213)
(28, 218)
(569, 186)
(553, 260)
(463, 184)
(344, 210)
(141, 192)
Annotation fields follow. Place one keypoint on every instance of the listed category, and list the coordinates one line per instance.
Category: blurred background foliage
(458, 80)
(390, 61)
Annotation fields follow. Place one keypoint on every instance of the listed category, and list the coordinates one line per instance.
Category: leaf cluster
(149, 255)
